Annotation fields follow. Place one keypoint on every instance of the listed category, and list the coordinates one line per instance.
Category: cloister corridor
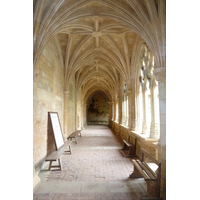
(96, 169)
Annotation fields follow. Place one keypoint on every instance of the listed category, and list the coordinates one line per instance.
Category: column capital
(160, 74)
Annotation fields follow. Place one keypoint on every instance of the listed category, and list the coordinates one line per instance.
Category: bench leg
(131, 152)
(55, 166)
(135, 174)
(50, 163)
(125, 147)
(70, 151)
(59, 163)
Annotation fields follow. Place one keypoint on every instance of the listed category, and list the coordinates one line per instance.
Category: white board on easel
(58, 136)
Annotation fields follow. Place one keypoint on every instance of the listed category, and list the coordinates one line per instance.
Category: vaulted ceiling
(98, 39)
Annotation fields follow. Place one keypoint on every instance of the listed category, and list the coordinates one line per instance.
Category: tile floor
(96, 169)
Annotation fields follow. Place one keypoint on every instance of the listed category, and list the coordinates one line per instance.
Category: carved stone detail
(96, 34)
(96, 18)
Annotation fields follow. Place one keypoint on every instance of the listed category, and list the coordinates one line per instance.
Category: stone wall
(70, 118)
(79, 113)
(48, 84)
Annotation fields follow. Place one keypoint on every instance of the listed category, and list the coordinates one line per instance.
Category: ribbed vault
(98, 39)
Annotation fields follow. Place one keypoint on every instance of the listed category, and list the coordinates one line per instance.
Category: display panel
(56, 129)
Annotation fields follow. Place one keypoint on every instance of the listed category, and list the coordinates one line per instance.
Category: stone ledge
(156, 145)
(144, 137)
(126, 127)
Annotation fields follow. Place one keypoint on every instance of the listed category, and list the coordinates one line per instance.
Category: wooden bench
(56, 155)
(130, 147)
(152, 177)
(74, 135)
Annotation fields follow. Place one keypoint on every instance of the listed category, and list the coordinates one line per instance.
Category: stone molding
(96, 18)
(96, 34)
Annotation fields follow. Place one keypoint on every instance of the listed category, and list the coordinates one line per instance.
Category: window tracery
(148, 95)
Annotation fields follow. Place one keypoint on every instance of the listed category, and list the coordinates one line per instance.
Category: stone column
(155, 126)
(66, 93)
(120, 110)
(113, 113)
(116, 111)
(113, 110)
(130, 99)
(76, 115)
(132, 106)
(82, 116)
(110, 114)
(85, 114)
(115, 105)
(160, 74)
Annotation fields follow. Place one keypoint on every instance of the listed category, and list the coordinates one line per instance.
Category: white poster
(57, 130)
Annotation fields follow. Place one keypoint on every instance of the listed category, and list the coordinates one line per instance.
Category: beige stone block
(44, 96)
(43, 74)
(51, 73)
(48, 71)
(42, 66)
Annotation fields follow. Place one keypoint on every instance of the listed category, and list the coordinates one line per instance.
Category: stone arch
(97, 108)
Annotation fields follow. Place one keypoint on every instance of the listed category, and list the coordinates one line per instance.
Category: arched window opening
(148, 96)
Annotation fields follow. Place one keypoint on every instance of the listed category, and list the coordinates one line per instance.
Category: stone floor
(96, 169)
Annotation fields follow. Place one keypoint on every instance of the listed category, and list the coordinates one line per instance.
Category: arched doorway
(97, 108)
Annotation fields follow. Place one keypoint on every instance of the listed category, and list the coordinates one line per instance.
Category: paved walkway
(96, 169)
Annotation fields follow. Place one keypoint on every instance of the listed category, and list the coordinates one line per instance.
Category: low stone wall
(142, 141)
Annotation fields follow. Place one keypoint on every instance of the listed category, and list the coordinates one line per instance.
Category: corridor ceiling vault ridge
(98, 40)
